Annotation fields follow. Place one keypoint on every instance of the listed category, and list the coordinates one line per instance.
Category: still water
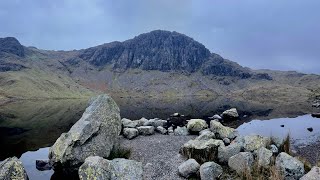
(28, 128)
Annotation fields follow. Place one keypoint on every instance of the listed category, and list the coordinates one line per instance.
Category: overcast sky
(274, 34)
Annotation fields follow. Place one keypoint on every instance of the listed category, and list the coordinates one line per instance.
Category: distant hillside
(160, 64)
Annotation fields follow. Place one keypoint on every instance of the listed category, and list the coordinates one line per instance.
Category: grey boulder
(146, 130)
(161, 130)
(225, 152)
(130, 133)
(263, 157)
(222, 131)
(94, 134)
(12, 168)
(241, 162)
(252, 142)
(181, 131)
(206, 136)
(155, 123)
(290, 167)
(188, 168)
(313, 174)
(210, 171)
(127, 123)
(196, 125)
(230, 114)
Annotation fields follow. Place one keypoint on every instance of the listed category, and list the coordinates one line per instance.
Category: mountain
(158, 64)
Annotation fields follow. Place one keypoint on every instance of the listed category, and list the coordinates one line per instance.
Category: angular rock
(210, 171)
(155, 123)
(12, 168)
(313, 174)
(241, 162)
(254, 142)
(130, 133)
(188, 168)
(222, 131)
(206, 136)
(146, 130)
(181, 131)
(141, 121)
(230, 114)
(225, 152)
(94, 134)
(98, 168)
(127, 123)
(161, 130)
(264, 157)
(196, 125)
(290, 167)
(201, 150)
(43, 165)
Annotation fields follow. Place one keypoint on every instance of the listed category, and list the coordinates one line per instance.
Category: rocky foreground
(176, 148)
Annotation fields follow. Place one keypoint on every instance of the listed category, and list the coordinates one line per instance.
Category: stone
(141, 121)
(146, 130)
(264, 157)
(98, 168)
(225, 152)
(230, 114)
(254, 142)
(204, 131)
(313, 174)
(170, 130)
(176, 115)
(176, 121)
(155, 123)
(127, 123)
(12, 168)
(161, 130)
(94, 134)
(274, 149)
(216, 117)
(206, 136)
(222, 131)
(316, 105)
(130, 133)
(310, 129)
(210, 171)
(43, 165)
(181, 131)
(196, 125)
(201, 150)
(316, 115)
(226, 141)
(290, 167)
(241, 162)
(188, 168)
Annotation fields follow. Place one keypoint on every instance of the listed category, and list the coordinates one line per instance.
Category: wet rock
(94, 134)
(225, 152)
(181, 131)
(201, 150)
(210, 171)
(196, 125)
(127, 123)
(43, 165)
(130, 133)
(241, 162)
(12, 168)
(98, 168)
(310, 129)
(313, 174)
(161, 130)
(222, 131)
(230, 114)
(146, 130)
(264, 157)
(274, 149)
(290, 167)
(188, 168)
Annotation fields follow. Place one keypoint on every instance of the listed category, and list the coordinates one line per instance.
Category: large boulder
(230, 114)
(289, 167)
(188, 168)
(146, 130)
(196, 125)
(252, 142)
(201, 150)
(210, 171)
(98, 168)
(264, 157)
(181, 131)
(130, 133)
(225, 152)
(12, 168)
(222, 131)
(94, 134)
(241, 162)
(313, 174)
(127, 123)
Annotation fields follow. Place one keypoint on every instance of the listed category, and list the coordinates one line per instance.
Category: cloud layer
(255, 33)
